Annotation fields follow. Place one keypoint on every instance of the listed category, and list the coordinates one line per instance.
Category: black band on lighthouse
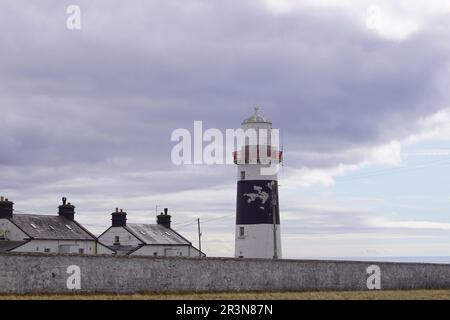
(254, 202)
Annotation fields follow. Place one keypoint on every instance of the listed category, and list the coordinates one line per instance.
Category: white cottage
(146, 239)
(45, 233)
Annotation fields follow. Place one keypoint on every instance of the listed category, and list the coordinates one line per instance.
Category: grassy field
(366, 295)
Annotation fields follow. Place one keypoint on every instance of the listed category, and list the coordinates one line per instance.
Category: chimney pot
(119, 218)
(66, 210)
(6, 208)
(164, 219)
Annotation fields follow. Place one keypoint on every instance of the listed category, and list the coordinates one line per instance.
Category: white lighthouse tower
(257, 210)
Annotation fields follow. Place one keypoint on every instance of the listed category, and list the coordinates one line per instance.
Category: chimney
(164, 218)
(6, 208)
(119, 218)
(66, 210)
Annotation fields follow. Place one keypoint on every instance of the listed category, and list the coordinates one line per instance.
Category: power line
(186, 222)
(218, 218)
(204, 221)
(400, 169)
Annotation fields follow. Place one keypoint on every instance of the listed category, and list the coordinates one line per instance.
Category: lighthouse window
(241, 232)
(116, 240)
(242, 175)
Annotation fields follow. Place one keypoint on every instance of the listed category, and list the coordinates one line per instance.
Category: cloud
(390, 20)
(381, 222)
(89, 113)
(435, 126)
(96, 93)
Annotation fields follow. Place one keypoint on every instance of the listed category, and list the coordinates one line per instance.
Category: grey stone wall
(38, 273)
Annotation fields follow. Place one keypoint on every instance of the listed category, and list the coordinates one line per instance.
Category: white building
(257, 209)
(146, 239)
(45, 233)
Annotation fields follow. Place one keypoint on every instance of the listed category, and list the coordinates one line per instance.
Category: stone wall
(39, 273)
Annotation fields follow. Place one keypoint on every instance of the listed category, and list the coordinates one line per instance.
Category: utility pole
(199, 238)
(274, 219)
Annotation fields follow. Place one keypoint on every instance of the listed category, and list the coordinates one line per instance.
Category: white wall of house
(10, 232)
(101, 249)
(59, 246)
(196, 253)
(167, 251)
(125, 238)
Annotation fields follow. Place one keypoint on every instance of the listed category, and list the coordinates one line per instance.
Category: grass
(344, 295)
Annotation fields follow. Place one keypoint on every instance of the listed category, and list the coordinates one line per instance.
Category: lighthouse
(257, 206)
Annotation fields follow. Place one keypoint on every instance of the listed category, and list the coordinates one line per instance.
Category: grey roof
(256, 118)
(50, 227)
(6, 245)
(155, 234)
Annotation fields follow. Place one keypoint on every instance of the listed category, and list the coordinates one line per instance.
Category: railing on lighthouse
(257, 155)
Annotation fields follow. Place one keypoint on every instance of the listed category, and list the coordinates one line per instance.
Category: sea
(417, 259)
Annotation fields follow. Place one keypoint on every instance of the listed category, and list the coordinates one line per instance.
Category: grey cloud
(101, 103)
(139, 69)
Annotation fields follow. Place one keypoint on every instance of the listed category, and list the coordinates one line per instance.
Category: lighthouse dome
(256, 118)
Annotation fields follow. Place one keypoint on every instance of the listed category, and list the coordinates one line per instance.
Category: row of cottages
(146, 239)
(63, 234)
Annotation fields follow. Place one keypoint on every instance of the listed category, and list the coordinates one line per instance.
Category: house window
(80, 250)
(47, 250)
(155, 254)
(241, 232)
(117, 240)
(242, 175)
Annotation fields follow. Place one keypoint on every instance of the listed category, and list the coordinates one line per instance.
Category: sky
(358, 90)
